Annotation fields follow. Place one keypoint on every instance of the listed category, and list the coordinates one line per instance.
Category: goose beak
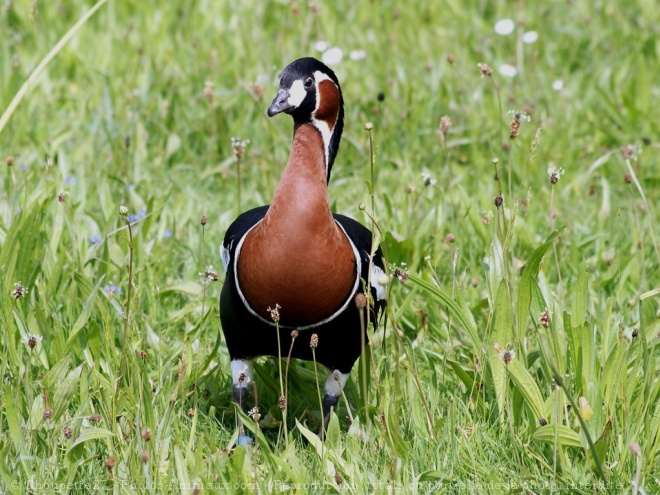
(280, 103)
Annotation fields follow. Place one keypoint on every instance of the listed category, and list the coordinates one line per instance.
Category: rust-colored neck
(297, 256)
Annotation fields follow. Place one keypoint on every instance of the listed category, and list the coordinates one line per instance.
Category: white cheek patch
(334, 387)
(241, 373)
(297, 93)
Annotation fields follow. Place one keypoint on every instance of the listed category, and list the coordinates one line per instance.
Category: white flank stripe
(224, 255)
(334, 387)
(379, 281)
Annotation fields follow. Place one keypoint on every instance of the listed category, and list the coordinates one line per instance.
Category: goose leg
(332, 391)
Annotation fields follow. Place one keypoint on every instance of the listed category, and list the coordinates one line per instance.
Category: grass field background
(522, 347)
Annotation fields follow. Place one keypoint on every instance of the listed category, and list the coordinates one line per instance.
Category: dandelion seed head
(504, 27)
(508, 70)
(321, 45)
(357, 54)
(332, 56)
(530, 37)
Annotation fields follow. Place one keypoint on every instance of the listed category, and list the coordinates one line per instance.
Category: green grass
(472, 389)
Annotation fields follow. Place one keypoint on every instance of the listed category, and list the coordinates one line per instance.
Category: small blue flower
(70, 179)
(94, 239)
(129, 187)
(167, 234)
(113, 289)
(139, 216)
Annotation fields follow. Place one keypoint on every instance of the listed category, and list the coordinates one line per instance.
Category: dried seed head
(400, 274)
(208, 275)
(68, 433)
(336, 375)
(360, 300)
(32, 341)
(635, 333)
(381, 96)
(445, 124)
(203, 220)
(62, 195)
(627, 177)
(368, 126)
(110, 462)
(274, 312)
(451, 238)
(338, 479)
(314, 341)
(123, 211)
(555, 174)
(635, 449)
(239, 146)
(208, 91)
(514, 128)
(474, 282)
(143, 354)
(254, 414)
(294, 334)
(544, 318)
(505, 355)
(146, 434)
(543, 421)
(630, 152)
(428, 180)
(191, 412)
(19, 290)
(586, 413)
(48, 412)
(10, 161)
(499, 200)
(95, 418)
(486, 70)
(450, 58)
(144, 456)
(281, 403)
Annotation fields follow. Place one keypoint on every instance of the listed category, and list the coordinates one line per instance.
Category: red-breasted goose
(296, 254)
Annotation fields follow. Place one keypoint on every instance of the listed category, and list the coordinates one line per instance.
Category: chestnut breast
(297, 256)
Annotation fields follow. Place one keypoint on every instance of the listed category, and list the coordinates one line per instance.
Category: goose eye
(308, 82)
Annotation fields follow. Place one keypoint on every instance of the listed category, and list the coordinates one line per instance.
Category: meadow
(511, 174)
